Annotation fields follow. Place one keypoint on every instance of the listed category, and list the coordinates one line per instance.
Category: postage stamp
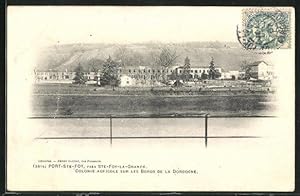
(265, 29)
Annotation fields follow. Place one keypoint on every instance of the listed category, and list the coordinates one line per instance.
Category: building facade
(261, 70)
(62, 77)
(143, 75)
(196, 72)
(54, 75)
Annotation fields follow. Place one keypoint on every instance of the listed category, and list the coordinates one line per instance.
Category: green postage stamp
(265, 28)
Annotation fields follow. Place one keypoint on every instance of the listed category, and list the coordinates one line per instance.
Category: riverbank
(208, 90)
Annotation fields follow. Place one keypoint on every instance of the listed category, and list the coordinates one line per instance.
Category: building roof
(256, 63)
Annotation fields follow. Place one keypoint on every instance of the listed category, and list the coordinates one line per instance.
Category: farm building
(261, 70)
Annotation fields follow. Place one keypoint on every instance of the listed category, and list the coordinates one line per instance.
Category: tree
(79, 75)
(186, 69)
(122, 55)
(165, 60)
(110, 73)
(128, 57)
(204, 76)
(173, 76)
(94, 64)
(218, 74)
(212, 69)
(247, 69)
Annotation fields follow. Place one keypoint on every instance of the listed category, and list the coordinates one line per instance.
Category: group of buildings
(145, 76)
(53, 76)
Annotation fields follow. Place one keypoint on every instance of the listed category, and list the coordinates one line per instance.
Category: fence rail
(111, 137)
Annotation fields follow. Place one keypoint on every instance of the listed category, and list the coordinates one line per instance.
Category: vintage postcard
(128, 98)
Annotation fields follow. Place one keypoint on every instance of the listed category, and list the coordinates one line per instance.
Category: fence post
(205, 131)
(110, 128)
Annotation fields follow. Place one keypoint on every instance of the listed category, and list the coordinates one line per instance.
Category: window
(134, 70)
(144, 70)
(129, 70)
(149, 70)
(192, 71)
(180, 71)
(196, 71)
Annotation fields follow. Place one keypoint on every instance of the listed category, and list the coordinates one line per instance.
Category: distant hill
(228, 56)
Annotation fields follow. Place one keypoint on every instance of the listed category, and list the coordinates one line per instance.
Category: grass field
(85, 101)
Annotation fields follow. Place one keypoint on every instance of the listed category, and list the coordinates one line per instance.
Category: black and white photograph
(129, 98)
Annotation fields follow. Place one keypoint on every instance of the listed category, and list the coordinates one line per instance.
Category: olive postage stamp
(265, 28)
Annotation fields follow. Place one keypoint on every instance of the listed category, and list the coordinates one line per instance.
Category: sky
(50, 25)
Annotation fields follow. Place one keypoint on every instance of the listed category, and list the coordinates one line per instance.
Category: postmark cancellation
(265, 29)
